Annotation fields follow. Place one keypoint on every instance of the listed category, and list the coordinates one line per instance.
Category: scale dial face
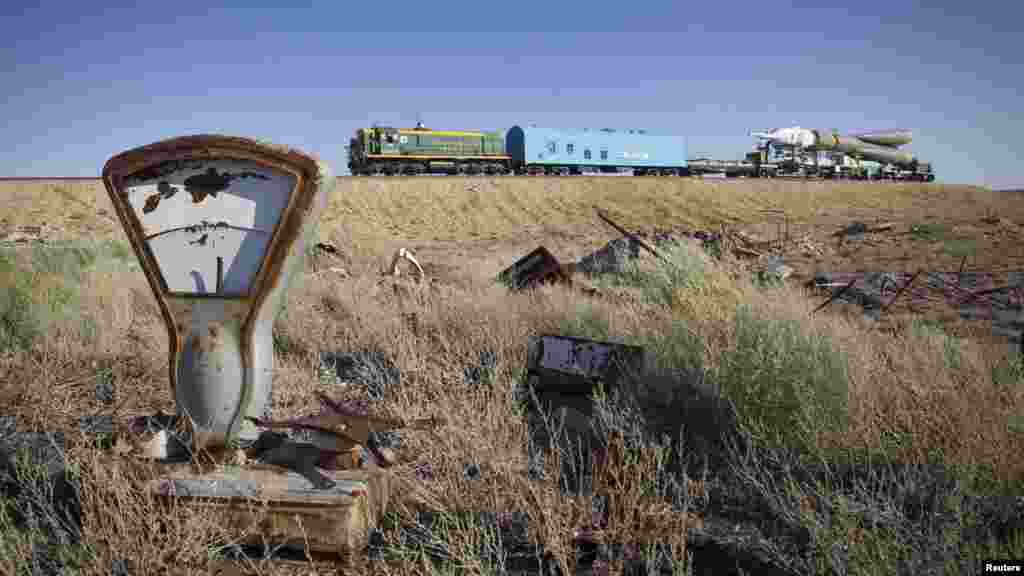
(208, 222)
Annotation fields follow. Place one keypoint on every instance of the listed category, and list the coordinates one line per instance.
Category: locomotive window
(604, 154)
(569, 148)
(552, 147)
(586, 154)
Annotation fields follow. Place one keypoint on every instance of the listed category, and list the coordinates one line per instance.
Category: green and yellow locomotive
(413, 151)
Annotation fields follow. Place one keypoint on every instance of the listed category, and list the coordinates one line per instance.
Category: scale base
(265, 505)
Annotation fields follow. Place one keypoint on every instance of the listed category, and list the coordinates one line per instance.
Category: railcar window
(604, 154)
(569, 148)
(586, 154)
(552, 147)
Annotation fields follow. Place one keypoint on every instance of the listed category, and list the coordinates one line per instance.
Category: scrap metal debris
(340, 429)
(343, 437)
(23, 235)
(537, 267)
(610, 258)
(855, 229)
(630, 235)
(325, 247)
(973, 293)
(406, 254)
(300, 457)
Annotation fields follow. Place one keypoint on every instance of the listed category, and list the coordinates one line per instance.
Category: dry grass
(829, 386)
(460, 209)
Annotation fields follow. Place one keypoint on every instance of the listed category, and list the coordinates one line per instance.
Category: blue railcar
(576, 151)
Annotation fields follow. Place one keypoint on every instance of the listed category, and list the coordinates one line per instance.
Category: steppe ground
(942, 391)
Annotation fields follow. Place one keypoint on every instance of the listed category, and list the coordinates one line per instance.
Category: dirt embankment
(480, 225)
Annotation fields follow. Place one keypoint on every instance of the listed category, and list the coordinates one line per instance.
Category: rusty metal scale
(220, 225)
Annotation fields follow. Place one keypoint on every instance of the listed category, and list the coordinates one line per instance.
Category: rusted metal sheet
(566, 365)
(537, 267)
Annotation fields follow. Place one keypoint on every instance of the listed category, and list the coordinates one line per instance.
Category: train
(522, 150)
(537, 151)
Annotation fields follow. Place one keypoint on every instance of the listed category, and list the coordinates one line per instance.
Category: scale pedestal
(261, 504)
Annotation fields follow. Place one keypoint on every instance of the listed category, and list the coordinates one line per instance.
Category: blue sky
(86, 80)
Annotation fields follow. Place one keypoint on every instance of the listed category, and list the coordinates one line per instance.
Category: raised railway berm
(492, 219)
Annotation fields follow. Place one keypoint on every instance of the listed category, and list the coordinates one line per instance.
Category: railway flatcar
(554, 151)
(412, 151)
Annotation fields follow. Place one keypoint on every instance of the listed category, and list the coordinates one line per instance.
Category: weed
(787, 388)
(929, 232)
(960, 248)
(926, 328)
(589, 322)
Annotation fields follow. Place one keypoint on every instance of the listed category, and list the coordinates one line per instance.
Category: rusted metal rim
(157, 152)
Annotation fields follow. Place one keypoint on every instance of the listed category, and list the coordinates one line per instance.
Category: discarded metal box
(535, 268)
(572, 366)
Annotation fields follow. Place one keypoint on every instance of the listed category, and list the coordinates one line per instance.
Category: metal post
(220, 275)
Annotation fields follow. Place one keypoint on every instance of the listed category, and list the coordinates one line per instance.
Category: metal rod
(630, 235)
(900, 291)
(837, 294)
(220, 275)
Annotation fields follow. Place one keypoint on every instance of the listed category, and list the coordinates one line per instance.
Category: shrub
(587, 323)
(787, 387)
(43, 290)
(950, 344)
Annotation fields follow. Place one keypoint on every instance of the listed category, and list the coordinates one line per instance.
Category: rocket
(879, 146)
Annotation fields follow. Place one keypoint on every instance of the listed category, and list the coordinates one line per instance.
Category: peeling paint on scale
(201, 216)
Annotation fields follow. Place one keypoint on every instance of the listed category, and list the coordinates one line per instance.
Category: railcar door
(389, 142)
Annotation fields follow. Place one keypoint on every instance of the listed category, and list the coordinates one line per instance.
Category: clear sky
(83, 81)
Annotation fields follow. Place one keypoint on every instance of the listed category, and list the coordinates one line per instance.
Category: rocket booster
(878, 146)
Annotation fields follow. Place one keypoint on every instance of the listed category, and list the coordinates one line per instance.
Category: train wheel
(376, 170)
